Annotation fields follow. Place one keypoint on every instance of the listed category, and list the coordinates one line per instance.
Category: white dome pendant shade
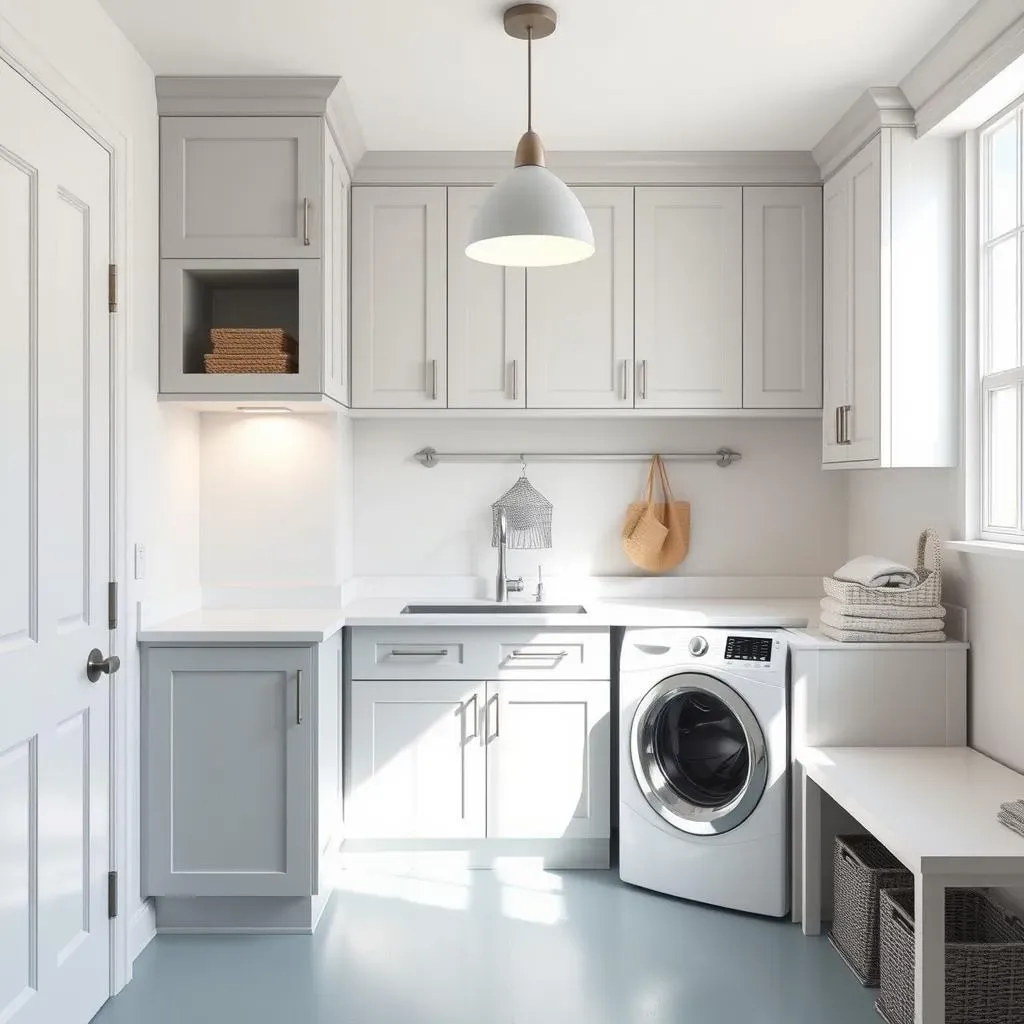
(531, 218)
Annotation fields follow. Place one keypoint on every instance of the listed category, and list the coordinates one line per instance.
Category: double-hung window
(1000, 361)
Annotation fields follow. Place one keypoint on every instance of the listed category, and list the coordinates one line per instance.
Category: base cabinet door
(227, 786)
(548, 749)
(418, 765)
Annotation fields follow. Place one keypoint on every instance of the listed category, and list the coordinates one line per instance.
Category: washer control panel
(698, 646)
(756, 649)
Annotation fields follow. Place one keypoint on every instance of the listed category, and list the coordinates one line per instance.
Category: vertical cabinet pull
(643, 379)
(433, 380)
(839, 424)
(493, 702)
(515, 383)
(298, 697)
(305, 221)
(847, 412)
(476, 717)
(625, 380)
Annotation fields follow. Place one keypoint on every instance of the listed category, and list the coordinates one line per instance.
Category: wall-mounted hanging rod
(430, 457)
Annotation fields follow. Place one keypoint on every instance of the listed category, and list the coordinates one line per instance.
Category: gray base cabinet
(241, 769)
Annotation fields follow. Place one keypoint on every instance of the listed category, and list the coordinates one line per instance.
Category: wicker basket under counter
(984, 959)
(862, 867)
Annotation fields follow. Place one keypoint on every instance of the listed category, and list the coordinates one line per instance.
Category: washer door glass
(699, 754)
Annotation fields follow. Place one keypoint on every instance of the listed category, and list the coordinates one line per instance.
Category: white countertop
(933, 807)
(246, 626)
(290, 625)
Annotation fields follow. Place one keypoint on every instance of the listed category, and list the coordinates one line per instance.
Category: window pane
(1002, 183)
(1003, 491)
(1002, 306)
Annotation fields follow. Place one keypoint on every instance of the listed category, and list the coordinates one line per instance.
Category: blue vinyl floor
(504, 947)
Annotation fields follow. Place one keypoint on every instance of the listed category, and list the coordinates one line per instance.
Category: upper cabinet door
(851, 422)
(399, 298)
(580, 317)
(335, 272)
(689, 298)
(782, 298)
(486, 319)
(240, 187)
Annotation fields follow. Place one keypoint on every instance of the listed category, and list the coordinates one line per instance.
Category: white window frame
(981, 385)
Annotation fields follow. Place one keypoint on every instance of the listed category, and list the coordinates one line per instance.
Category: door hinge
(112, 605)
(112, 287)
(111, 894)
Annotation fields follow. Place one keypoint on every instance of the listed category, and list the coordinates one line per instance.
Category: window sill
(987, 547)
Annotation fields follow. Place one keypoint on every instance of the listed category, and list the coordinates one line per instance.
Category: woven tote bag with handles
(656, 534)
(927, 593)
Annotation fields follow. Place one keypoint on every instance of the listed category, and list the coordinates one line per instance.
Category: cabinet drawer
(479, 653)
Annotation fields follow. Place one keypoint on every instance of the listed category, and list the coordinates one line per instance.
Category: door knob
(96, 664)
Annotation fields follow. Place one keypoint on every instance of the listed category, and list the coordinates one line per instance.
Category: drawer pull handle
(298, 697)
(556, 655)
(305, 222)
(441, 653)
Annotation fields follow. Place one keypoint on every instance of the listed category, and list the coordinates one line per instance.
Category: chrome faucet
(503, 583)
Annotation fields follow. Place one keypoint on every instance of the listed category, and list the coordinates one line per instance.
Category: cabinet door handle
(844, 419)
(298, 697)
(441, 652)
(497, 718)
(305, 221)
(515, 380)
(625, 380)
(476, 718)
(643, 379)
(838, 425)
(433, 380)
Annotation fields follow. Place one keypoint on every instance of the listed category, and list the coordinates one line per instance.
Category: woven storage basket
(927, 592)
(984, 959)
(256, 362)
(861, 867)
(266, 339)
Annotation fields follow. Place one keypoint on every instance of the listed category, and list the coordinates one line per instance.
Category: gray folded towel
(1011, 822)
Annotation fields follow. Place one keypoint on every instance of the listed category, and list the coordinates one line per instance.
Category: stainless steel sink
(494, 609)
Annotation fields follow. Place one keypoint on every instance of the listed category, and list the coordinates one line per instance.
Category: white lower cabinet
(548, 772)
(512, 758)
(417, 761)
(241, 777)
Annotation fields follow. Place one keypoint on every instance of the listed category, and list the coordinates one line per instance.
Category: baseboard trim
(141, 929)
(239, 915)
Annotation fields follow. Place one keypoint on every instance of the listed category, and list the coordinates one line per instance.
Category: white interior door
(54, 562)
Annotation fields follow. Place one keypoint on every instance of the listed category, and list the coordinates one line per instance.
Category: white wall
(276, 499)
(774, 513)
(88, 50)
(887, 511)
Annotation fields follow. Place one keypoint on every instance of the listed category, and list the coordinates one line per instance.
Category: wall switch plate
(140, 561)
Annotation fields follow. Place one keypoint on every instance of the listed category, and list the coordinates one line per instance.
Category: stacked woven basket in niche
(251, 350)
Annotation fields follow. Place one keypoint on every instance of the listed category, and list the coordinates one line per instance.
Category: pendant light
(531, 218)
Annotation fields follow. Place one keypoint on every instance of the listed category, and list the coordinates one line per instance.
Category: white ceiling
(631, 75)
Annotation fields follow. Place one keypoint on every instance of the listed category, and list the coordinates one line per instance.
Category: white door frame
(24, 57)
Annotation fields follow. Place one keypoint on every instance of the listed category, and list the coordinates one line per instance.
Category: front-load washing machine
(703, 766)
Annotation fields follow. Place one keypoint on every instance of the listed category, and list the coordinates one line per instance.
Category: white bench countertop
(934, 807)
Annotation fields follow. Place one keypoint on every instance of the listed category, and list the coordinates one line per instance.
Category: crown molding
(345, 127)
(242, 95)
(973, 73)
(592, 168)
(878, 107)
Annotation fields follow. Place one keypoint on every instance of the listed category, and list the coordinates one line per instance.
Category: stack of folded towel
(880, 622)
(1012, 815)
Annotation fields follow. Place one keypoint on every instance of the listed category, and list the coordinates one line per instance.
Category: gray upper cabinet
(228, 783)
(241, 187)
